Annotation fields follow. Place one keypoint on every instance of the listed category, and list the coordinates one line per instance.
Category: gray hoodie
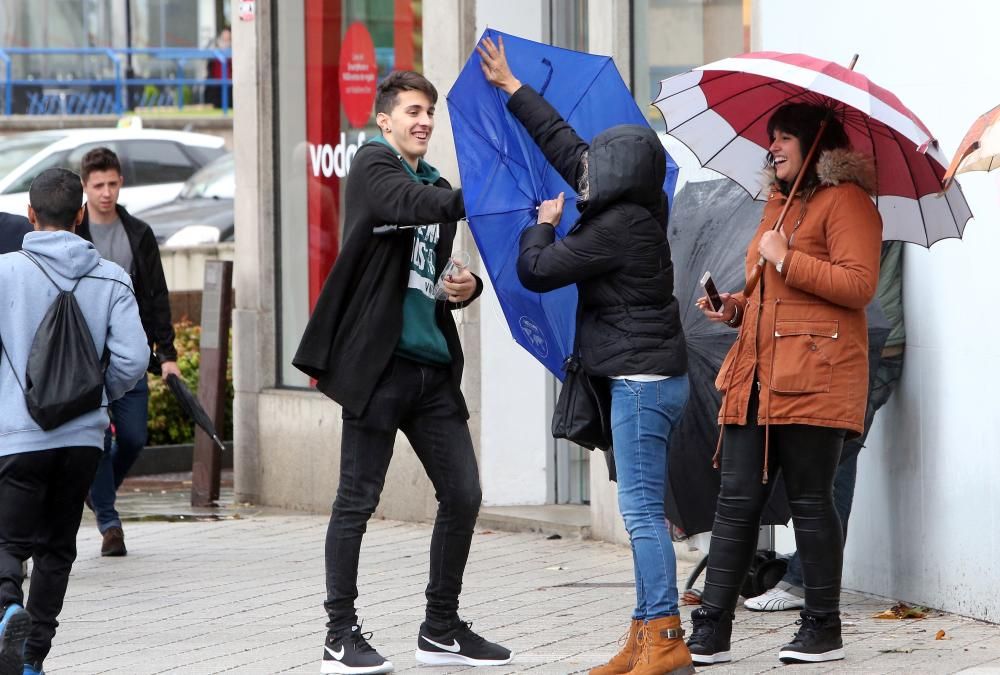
(108, 304)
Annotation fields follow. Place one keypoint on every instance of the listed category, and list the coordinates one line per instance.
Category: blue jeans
(643, 415)
(129, 416)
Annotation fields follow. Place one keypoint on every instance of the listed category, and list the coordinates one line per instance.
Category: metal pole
(8, 103)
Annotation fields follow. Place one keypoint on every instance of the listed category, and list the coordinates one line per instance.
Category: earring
(388, 130)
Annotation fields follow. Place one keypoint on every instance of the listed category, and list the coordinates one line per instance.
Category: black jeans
(422, 402)
(41, 503)
(886, 372)
(807, 456)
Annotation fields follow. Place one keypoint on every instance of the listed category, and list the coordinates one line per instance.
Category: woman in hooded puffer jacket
(629, 332)
(795, 382)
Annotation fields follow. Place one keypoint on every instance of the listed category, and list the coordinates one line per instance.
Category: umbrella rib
(742, 92)
(501, 154)
(920, 207)
(768, 110)
(868, 125)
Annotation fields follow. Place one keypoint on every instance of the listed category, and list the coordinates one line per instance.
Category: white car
(155, 163)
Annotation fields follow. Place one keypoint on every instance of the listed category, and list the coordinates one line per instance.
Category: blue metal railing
(119, 84)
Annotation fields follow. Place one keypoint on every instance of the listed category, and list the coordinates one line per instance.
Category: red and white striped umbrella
(720, 111)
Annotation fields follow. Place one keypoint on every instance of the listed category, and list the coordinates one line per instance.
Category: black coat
(150, 286)
(617, 253)
(358, 319)
(12, 231)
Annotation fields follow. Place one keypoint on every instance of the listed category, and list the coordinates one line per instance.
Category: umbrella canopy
(721, 110)
(505, 176)
(711, 226)
(980, 149)
(192, 408)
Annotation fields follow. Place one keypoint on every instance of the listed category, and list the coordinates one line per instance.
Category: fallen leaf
(941, 636)
(902, 611)
(691, 596)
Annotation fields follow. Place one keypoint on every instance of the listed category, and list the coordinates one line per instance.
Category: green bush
(167, 422)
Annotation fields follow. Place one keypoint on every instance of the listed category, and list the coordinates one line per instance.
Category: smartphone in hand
(711, 292)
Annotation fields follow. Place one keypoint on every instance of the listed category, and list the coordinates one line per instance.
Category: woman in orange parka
(795, 382)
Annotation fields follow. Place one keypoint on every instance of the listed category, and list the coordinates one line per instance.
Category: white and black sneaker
(458, 646)
(817, 640)
(349, 652)
(711, 631)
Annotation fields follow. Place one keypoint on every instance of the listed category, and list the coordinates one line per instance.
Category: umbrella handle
(754, 277)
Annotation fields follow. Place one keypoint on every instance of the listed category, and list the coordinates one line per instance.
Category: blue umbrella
(505, 176)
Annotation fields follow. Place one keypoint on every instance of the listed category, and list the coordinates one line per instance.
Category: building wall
(924, 525)
(515, 443)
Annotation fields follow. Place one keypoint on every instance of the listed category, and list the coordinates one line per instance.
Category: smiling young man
(381, 345)
(122, 238)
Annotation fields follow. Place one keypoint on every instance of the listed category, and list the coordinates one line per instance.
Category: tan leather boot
(623, 661)
(661, 649)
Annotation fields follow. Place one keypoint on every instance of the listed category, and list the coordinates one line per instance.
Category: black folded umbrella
(192, 408)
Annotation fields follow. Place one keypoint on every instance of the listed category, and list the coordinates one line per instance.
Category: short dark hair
(402, 80)
(56, 196)
(99, 159)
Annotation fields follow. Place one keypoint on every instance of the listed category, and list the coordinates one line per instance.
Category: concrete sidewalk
(244, 594)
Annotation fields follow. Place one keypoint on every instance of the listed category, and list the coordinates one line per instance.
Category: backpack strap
(58, 287)
(10, 363)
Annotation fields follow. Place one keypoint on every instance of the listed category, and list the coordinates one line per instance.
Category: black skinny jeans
(421, 401)
(807, 456)
(41, 503)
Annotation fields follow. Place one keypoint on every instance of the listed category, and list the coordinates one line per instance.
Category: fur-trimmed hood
(839, 166)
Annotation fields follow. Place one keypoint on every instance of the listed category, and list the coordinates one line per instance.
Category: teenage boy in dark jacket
(124, 239)
(382, 346)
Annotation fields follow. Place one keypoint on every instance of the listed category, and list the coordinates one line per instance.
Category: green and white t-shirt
(422, 339)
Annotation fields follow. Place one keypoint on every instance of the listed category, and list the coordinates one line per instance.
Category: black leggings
(807, 457)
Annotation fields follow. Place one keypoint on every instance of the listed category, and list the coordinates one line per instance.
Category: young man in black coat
(383, 344)
(129, 242)
(12, 231)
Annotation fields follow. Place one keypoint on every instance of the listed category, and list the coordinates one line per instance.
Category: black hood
(625, 163)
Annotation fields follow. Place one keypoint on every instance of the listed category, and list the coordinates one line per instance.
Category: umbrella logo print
(535, 336)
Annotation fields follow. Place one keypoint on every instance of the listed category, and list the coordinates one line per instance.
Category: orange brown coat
(803, 332)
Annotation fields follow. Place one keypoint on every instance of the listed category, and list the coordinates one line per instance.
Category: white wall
(927, 508)
(515, 409)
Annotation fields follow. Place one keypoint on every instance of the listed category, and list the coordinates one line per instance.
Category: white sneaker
(775, 600)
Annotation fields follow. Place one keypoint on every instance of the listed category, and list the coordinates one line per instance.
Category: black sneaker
(458, 646)
(351, 653)
(711, 630)
(817, 640)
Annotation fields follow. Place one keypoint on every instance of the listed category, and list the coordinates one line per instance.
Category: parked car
(155, 163)
(203, 211)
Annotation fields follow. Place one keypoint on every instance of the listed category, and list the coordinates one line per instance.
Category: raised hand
(493, 61)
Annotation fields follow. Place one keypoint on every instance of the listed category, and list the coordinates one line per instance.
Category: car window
(55, 160)
(67, 159)
(215, 181)
(15, 150)
(203, 155)
(157, 162)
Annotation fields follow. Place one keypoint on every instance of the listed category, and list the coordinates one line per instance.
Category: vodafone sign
(358, 74)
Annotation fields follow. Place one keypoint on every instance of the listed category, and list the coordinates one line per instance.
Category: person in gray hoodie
(45, 475)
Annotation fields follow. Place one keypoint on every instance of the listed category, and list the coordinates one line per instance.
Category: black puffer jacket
(617, 253)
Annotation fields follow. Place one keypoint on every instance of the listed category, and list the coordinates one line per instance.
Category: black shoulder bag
(583, 411)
